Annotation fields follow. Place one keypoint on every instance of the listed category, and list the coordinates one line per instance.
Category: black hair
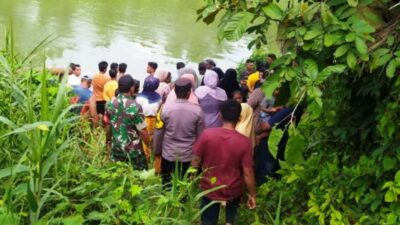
(237, 92)
(180, 65)
(249, 61)
(202, 67)
(125, 83)
(183, 91)
(114, 66)
(136, 84)
(103, 66)
(230, 111)
(74, 66)
(113, 73)
(261, 66)
(272, 55)
(122, 67)
(219, 72)
(153, 65)
(211, 62)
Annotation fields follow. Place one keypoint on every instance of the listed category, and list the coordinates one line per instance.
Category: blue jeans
(211, 214)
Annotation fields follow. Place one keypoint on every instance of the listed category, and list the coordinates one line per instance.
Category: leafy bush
(340, 59)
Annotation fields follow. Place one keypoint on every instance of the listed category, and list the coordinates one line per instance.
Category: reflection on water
(131, 31)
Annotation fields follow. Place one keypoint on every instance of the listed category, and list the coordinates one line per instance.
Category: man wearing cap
(183, 123)
(127, 128)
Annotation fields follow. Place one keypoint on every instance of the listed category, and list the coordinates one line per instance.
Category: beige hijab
(245, 124)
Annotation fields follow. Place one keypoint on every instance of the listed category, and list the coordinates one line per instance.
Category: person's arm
(200, 124)
(271, 110)
(265, 126)
(144, 135)
(198, 149)
(248, 175)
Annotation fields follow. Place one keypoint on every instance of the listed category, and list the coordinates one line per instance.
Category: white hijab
(211, 82)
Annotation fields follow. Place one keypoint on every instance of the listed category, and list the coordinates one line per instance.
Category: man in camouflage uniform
(127, 128)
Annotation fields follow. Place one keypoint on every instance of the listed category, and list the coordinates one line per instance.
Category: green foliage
(54, 168)
(341, 60)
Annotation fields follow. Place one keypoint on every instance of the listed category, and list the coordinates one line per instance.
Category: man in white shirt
(73, 78)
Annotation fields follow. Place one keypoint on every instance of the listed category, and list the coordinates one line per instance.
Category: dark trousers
(168, 168)
(101, 107)
(211, 214)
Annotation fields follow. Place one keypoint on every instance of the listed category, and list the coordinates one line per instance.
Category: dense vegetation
(340, 58)
(54, 168)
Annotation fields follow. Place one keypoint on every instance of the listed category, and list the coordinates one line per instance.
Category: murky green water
(131, 31)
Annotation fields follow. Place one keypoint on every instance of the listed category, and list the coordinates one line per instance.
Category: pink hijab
(210, 87)
(192, 98)
(163, 89)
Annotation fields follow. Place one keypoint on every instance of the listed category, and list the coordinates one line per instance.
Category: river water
(130, 31)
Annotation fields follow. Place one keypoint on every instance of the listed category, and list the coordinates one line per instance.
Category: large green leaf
(362, 26)
(295, 146)
(311, 68)
(13, 170)
(341, 51)
(351, 60)
(274, 138)
(361, 46)
(237, 25)
(327, 71)
(42, 125)
(273, 11)
(352, 3)
(309, 13)
(272, 83)
(391, 68)
(311, 34)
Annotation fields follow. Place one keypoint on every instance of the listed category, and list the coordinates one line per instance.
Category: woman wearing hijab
(165, 78)
(245, 124)
(230, 83)
(150, 101)
(186, 70)
(192, 98)
(210, 96)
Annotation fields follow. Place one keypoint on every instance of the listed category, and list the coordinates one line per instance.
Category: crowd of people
(213, 121)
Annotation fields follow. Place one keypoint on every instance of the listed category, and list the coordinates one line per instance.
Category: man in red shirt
(226, 158)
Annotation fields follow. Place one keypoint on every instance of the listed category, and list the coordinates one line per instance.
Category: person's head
(151, 67)
(70, 68)
(183, 88)
(163, 75)
(103, 66)
(122, 68)
(180, 65)
(202, 68)
(113, 73)
(114, 66)
(86, 82)
(230, 111)
(126, 85)
(211, 79)
(270, 58)
(190, 77)
(249, 65)
(219, 72)
(231, 74)
(151, 84)
(237, 96)
(210, 64)
(76, 69)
